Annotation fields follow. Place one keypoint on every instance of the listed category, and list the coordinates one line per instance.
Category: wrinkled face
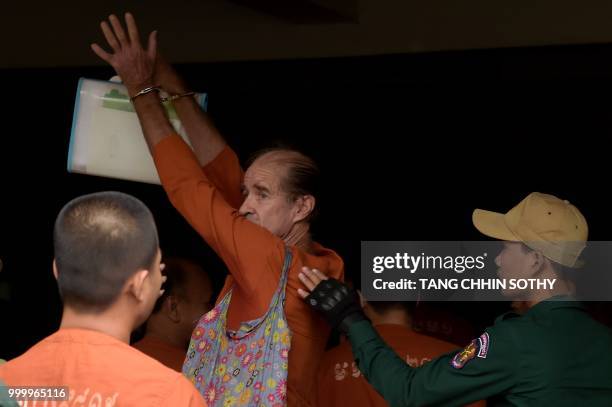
(514, 263)
(265, 203)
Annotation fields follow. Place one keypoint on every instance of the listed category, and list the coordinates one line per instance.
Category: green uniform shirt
(554, 355)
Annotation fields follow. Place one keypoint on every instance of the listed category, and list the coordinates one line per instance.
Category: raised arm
(187, 185)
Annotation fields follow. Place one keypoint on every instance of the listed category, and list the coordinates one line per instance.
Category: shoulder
(321, 258)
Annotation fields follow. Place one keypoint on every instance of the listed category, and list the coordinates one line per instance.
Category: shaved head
(100, 241)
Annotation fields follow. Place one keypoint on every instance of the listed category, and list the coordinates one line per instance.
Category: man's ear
(171, 307)
(55, 273)
(538, 262)
(305, 204)
(136, 284)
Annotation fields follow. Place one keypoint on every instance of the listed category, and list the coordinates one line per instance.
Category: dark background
(409, 145)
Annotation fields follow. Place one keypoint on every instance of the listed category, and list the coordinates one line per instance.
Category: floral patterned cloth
(247, 367)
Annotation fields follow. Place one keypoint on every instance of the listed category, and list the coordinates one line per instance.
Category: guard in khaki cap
(552, 355)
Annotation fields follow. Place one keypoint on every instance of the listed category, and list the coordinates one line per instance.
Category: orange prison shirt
(98, 370)
(208, 198)
(163, 352)
(340, 383)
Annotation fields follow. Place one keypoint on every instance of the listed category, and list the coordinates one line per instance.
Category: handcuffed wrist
(144, 91)
(171, 98)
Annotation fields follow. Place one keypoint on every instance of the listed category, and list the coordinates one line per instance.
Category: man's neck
(561, 289)
(108, 322)
(299, 236)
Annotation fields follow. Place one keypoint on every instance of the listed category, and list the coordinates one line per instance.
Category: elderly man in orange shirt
(257, 345)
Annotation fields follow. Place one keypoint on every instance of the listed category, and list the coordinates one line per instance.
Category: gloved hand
(338, 303)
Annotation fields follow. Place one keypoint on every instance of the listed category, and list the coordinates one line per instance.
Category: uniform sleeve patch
(483, 341)
(465, 355)
(477, 348)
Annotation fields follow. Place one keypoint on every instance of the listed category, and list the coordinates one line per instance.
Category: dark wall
(409, 146)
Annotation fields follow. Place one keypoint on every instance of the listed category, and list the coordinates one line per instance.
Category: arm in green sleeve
(438, 381)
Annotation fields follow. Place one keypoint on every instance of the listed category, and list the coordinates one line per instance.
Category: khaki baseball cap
(545, 223)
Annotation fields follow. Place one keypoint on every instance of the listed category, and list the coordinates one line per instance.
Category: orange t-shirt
(163, 352)
(342, 384)
(99, 370)
(207, 198)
